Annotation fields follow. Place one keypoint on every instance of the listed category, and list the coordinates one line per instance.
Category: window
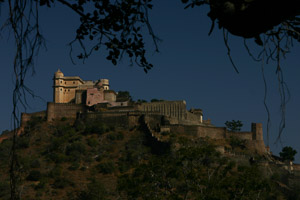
(60, 81)
(73, 82)
(69, 90)
(60, 89)
(89, 102)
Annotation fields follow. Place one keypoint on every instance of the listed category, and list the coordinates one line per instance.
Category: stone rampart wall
(25, 117)
(109, 118)
(192, 117)
(202, 131)
(212, 132)
(174, 109)
(240, 135)
(253, 138)
(59, 110)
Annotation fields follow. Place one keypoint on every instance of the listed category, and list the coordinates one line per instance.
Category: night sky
(190, 66)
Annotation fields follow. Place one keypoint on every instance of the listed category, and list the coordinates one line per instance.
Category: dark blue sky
(191, 66)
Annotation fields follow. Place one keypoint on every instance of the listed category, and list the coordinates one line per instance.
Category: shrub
(41, 184)
(22, 142)
(56, 144)
(34, 120)
(63, 119)
(34, 175)
(65, 130)
(76, 148)
(4, 190)
(95, 191)
(74, 166)
(156, 100)
(95, 127)
(24, 162)
(61, 183)
(58, 157)
(80, 125)
(115, 136)
(237, 143)
(35, 164)
(165, 133)
(92, 142)
(106, 168)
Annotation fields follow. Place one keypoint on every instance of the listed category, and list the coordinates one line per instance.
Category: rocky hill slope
(90, 160)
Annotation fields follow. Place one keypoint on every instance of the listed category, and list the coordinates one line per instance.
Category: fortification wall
(110, 118)
(212, 132)
(59, 110)
(256, 145)
(190, 117)
(254, 139)
(122, 108)
(174, 109)
(25, 117)
(240, 135)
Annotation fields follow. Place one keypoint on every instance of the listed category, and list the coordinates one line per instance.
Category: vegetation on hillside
(91, 160)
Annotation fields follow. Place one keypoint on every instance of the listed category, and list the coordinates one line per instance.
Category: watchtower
(58, 87)
(105, 84)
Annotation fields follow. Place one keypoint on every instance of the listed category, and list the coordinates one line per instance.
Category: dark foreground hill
(90, 160)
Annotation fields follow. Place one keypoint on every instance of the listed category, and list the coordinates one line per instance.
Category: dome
(58, 74)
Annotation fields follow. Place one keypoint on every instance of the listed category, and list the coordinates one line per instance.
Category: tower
(58, 96)
(257, 131)
(105, 84)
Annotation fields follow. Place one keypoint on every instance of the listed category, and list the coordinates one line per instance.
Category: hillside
(91, 160)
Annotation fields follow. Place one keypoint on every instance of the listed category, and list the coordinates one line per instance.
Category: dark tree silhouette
(234, 125)
(288, 153)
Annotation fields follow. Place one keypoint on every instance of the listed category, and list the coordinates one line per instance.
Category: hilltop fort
(74, 98)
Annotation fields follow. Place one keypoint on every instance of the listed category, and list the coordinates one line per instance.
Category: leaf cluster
(117, 25)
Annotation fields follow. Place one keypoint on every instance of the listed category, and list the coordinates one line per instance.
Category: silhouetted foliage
(34, 175)
(234, 125)
(4, 190)
(5, 132)
(141, 101)
(61, 183)
(115, 136)
(123, 96)
(95, 191)
(156, 100)
(35, 164)
(237, 143)
(288, 153)
(106, 167)
(95, 127)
